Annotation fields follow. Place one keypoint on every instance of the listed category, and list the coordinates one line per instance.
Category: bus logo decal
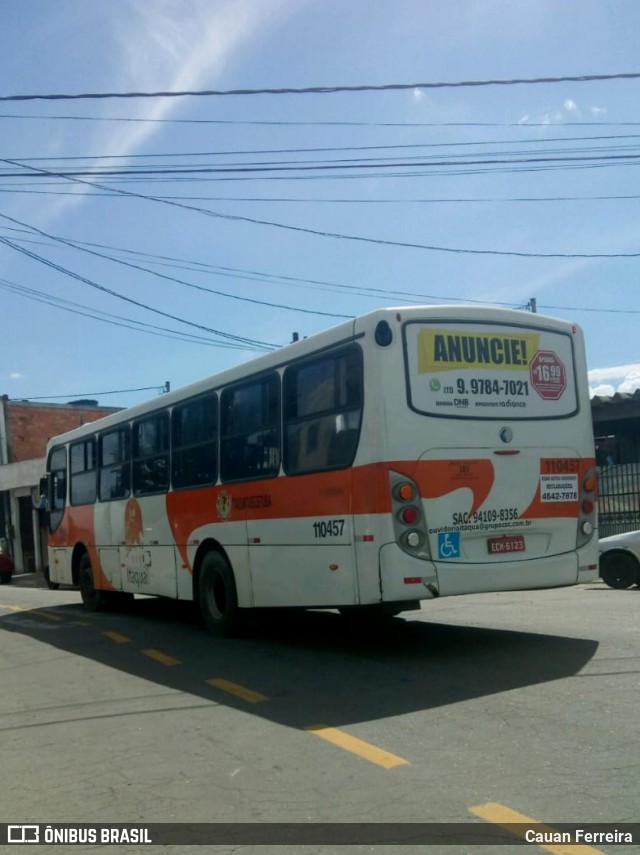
(224, 504)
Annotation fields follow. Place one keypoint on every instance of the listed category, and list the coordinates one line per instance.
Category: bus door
(106, 516)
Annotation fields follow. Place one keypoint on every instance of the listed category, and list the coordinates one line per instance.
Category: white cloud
(603, 391)
(16, 375)
(569, 110)
(161, 46)
(630, 383)
(166, 47)
(617, 378)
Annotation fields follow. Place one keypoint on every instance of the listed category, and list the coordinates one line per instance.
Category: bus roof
(326, 338)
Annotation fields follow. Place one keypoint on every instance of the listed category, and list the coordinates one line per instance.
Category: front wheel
(92, 599)
(619, 570)
(217, 596)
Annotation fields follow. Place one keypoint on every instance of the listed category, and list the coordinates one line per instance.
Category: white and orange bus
(408, 454)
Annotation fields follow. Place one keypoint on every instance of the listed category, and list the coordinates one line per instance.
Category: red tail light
(409, 515)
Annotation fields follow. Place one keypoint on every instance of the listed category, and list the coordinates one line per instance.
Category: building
(616, 427)
(25, 428)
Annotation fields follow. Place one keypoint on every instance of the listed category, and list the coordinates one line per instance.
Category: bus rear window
(489, 371)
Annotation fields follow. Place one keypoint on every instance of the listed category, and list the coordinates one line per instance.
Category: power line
(358, 290)
(255, 301)
(328, 90)
(350, 148)
(251, 343)
(347, 201)
(538, 162)
(334, 235)
(161, 388)
(302, 123)
(112, 319)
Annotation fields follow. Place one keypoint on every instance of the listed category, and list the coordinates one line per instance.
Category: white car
(620, 559)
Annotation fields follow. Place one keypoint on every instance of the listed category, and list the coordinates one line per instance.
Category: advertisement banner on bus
(489, 371)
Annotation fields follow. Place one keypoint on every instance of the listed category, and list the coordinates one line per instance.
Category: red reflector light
(412, 580)
(409, 515)
(587, 506)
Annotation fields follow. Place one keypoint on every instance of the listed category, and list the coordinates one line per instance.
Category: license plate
(506, 544)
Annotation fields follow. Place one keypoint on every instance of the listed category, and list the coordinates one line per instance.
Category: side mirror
(43, 494)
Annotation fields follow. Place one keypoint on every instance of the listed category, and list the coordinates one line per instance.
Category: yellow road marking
(518, 823)
(357, 746)
(117, 637)
(159, 656)
(237, 690)
(81, 623)
(34, 612)
(47, 616)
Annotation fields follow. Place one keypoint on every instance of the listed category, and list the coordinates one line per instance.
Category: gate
(619, 498)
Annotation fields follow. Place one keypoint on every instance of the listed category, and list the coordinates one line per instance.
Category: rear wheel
(92, 599)
(619, 569)
(217, 596)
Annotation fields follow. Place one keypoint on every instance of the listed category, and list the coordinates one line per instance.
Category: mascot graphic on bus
(136, 565)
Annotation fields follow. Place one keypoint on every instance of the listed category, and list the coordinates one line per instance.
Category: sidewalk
(29, 580)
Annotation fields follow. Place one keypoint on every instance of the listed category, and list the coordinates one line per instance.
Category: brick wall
(30, 426)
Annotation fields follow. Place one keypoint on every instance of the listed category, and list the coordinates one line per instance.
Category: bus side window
(250, 430)
(194, 443)
(115, 464)
(151, 454)
(322, 412)
(58, 468)
(84, 473)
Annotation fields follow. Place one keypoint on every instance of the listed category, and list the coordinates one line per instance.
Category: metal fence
(619, 498)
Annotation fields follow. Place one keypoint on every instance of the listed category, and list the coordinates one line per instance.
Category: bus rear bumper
(552, 572)
(403, 577)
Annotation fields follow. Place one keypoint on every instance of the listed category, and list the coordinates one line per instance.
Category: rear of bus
(490, 468)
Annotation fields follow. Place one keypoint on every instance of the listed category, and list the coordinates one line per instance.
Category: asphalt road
(516, 705)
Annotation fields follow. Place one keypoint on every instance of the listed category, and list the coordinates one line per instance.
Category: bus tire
(217, 596)
(619, 569)
(92, 599)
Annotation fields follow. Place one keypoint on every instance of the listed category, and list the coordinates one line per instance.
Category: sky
(146, 241)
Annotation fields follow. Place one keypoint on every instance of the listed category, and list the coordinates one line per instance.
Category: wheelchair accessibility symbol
(448, 544)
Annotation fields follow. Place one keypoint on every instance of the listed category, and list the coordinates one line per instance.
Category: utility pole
(532, 306)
